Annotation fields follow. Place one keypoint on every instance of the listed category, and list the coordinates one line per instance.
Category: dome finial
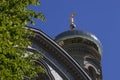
(72, 25)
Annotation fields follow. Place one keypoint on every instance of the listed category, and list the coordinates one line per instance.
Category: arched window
(92, 72)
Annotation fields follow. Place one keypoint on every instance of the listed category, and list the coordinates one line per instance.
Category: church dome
(79, 36)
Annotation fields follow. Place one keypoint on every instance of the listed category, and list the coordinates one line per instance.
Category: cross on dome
(72, 26)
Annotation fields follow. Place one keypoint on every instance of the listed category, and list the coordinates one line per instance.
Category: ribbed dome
(79, 33)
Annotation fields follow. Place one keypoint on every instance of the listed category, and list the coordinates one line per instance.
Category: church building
(73, 54)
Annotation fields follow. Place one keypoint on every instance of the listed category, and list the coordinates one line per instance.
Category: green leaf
(13, 18)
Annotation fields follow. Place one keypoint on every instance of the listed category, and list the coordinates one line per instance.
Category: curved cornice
(67, 60)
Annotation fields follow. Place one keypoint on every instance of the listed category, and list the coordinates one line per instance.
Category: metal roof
(79, 33)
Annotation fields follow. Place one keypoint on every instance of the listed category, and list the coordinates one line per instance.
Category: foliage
(13, 41)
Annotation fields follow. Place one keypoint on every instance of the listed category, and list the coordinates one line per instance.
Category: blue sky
(100, 17)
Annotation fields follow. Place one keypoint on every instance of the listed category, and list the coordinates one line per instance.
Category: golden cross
(72, 25)
(72, 18)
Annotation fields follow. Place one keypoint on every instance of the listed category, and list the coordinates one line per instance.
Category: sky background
(100, 17)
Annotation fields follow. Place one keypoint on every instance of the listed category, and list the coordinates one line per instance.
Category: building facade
(72, 55)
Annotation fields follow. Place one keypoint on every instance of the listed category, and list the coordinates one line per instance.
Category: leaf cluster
(13, 18)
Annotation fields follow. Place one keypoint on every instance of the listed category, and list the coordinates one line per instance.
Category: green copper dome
(79, 34)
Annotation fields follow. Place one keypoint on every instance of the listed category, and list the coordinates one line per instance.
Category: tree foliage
(14, 16)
